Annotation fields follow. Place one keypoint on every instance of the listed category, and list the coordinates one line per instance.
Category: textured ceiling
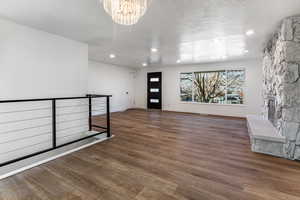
(194, 31)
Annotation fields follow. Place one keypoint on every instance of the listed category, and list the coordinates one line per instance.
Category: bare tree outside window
(186, 86)
(210, 86)
(235, 85)
(220, 87)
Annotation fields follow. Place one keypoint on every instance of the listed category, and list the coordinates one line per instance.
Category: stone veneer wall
(281, 67)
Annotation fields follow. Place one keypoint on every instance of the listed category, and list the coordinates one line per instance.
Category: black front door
(154, 90)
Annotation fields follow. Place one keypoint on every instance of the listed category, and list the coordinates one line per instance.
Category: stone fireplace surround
(281, 93)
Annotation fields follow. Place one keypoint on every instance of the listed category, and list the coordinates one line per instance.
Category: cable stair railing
(30, 127)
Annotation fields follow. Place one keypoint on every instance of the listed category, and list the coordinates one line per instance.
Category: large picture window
(219, 87)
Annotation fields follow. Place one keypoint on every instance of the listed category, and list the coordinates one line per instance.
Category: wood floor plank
(161, 156)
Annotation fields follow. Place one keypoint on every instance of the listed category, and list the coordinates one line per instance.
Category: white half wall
(112, 80)
(171, 89)
(37, 64)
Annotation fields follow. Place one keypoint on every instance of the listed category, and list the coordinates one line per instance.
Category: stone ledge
(260, 128)
(264, 137)
(268, 147)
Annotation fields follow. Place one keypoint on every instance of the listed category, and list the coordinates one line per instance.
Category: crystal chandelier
(126, 12)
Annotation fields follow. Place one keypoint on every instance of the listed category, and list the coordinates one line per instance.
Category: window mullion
(226, 87)
(193, 88)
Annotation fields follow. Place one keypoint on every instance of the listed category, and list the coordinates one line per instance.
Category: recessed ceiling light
(250, 32)
(145, 64)
(216, 40)
(178, 61)
(112, 55)
(154, 49)
(224, 57)
(246, 51)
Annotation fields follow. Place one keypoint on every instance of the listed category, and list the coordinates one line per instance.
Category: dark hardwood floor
(162, 155)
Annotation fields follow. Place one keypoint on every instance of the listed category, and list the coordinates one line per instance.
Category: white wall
(112, 80)
(171, 100)
(36, 64)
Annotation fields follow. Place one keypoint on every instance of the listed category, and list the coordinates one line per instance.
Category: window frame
(215, 70)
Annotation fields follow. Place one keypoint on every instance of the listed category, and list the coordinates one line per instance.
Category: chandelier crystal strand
(126, 12)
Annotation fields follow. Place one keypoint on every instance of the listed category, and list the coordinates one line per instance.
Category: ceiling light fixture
(126, 12)
(246, 51)
(112, 56)
(154, 50)
(250, 32)
(178, 61)
(145, 64)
